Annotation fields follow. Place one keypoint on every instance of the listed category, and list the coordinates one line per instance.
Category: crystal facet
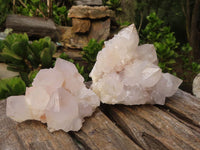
(126, 73)
(58, 97)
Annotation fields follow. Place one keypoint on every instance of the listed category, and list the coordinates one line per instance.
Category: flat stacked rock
(88, 12)
(80, 25)
(87, 22)
(88, 2)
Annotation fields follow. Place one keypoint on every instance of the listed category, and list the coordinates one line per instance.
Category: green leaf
(52, 48)
(9, 55)
(32, 75)
(24, 77)
(62, 9)
(119, 9)
(20, 48)
(171, 61)
(11, 86)
(46, 58)
(15, 67)
(35, 1)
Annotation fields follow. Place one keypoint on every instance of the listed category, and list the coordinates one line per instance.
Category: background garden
(172, 26)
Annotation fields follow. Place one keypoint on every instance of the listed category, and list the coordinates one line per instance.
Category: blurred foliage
(169, 51)
(32, 75)
(190, 66)
(90, 52)
(39, 8)
(25, 57)
(60, 15)
(11, 86)
(1, 45)
(31, 8)
(113, 4)
(124, 24)
(164, 41)
(4, 10)
(89, 55)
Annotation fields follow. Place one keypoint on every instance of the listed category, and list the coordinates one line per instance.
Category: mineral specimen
(126, 73)
(58, 97)
(196, 86)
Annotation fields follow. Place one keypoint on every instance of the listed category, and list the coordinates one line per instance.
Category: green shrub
(25, 57)
(32, 75)
(190, 67)
(66, 57)
(60, 15)
(113, 4)
(31, 8)
(39, 8)
(11, 86)
(169, 51)
(90, 53)
(164, 41)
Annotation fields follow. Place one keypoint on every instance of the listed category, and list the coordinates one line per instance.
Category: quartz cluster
(57, 97)
(126, 73)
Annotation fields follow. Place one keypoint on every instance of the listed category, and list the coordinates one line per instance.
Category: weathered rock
(75, 54)
(88, 2)
(90, 12)
(81, 25)
(33, 26)
(196, 86)
(73, 40)
(100, 30)
(5, 73)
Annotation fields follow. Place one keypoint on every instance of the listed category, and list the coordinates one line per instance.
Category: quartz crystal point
(57, 97)
(126, 73)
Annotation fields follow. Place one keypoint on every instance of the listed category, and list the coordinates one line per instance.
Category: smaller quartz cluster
(58, 97)
(126, 73)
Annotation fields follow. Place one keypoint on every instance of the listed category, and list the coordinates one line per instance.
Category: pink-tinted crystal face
(62, 111)
(17, 108)
(126, 73)
(48, 77)
(58, 97)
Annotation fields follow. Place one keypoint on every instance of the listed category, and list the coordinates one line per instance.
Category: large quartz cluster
(126, 73)
(58, 97)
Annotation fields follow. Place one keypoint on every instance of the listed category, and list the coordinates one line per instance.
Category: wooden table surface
(176, 125)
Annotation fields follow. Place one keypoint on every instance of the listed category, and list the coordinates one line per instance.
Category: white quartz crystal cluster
(196, 86)
(126, 73)
(58, 97)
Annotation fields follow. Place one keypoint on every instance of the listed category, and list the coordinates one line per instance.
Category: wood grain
(36, 27)
(174, 126)
(185, 106)
(30, 135)
(99, 133)
(152, 128)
